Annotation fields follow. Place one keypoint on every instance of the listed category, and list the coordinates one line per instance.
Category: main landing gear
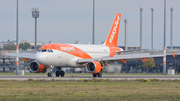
(49, 74)
(98, 74)
(59, 72)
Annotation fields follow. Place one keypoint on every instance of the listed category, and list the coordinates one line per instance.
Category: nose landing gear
(49, 74)
(58, 73)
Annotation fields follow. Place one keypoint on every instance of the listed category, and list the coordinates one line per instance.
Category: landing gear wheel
(94, 75)
(57, 73)
(49, 74)
(99, 74)
(62, 73)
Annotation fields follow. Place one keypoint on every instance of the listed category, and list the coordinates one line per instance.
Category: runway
(85, 77)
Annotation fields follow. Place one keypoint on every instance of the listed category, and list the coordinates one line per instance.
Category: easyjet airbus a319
(91, 57)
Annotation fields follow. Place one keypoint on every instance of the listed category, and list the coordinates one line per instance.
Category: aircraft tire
(57, 73)
(49, 74)
(99, 74)
(62, 73)
(94, 75)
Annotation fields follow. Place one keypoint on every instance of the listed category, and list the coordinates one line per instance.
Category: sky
(67, 21)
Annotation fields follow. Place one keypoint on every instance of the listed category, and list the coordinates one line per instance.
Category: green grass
(98, 90)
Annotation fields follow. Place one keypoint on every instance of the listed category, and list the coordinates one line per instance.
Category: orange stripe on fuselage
(68, 49)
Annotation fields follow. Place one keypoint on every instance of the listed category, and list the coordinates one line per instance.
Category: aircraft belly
(58, 59)
(64, 60)
(99, 55)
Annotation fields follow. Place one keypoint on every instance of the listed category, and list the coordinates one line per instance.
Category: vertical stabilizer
(112, 38)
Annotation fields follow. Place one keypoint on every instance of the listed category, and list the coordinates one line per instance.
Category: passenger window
(51, 51)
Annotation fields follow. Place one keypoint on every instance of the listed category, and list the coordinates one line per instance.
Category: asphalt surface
(112, 77)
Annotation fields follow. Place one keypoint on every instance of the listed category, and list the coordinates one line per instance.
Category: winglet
(174, 54)
(26, 59)
(124, 61)
(144, 59)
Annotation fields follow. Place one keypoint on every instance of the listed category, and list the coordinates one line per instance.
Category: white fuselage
(67, 56)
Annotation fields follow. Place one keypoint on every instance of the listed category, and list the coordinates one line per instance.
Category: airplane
(92, 57)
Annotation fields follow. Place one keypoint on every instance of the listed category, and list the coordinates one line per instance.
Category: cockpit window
(43, 50)
(39, 50)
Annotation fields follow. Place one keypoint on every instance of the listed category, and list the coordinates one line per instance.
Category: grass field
(89, 90)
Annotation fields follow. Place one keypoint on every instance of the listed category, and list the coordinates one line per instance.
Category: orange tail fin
(112, 38)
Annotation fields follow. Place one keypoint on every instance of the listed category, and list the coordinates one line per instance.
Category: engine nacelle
(35, 67)
(94, 67)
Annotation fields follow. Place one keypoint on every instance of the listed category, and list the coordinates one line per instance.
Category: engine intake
(94, 67)
(35, 67)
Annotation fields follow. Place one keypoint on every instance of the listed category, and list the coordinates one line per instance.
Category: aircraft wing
(118, 57)
(137, 50)
(23, 55)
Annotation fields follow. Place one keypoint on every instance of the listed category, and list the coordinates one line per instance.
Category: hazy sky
(65, 21)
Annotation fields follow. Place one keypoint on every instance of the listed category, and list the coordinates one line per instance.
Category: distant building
(5, 43)
(173, 47)
(39, 44)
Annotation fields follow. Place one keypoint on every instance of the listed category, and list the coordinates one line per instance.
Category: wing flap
(118, 57)
(131, 57)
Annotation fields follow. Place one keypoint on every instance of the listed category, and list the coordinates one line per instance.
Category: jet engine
(35, 67)
(94, 67)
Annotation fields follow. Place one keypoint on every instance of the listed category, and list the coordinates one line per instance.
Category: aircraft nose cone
(40, 58)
